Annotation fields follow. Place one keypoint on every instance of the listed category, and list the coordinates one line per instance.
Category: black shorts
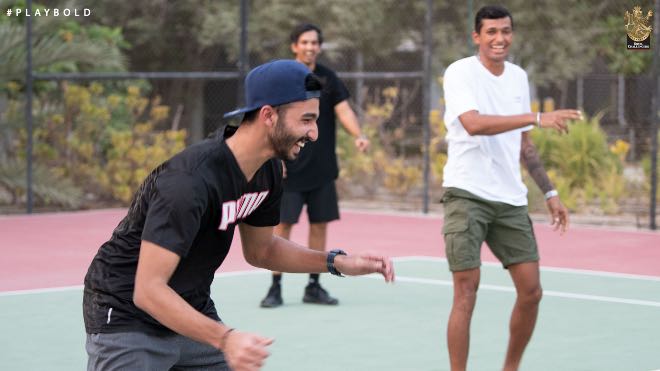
(322, 205)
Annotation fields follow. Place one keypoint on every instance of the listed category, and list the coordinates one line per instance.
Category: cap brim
(237, 112)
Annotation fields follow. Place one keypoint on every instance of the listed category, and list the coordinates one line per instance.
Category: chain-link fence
(115, 92)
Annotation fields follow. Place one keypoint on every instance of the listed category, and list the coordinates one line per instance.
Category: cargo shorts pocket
(456, 216)
(461, 251)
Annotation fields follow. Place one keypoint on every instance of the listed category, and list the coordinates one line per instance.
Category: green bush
(103, 143)
(438, 150)
(646, 165)
(585, 170)
(382, 167)
(47, 188)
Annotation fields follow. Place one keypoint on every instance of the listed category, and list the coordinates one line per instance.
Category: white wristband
(538, 119)
(551, 193)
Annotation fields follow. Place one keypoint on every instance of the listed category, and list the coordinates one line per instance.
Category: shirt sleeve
(460, 94)
(339, 91)
(268, 213)
(175, 212)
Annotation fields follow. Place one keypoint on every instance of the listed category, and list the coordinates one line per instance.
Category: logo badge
(638, 28)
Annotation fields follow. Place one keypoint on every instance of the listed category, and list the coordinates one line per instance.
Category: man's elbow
(470, 126)
(470, 122)
(256, 256)
(472, 129)
(252, 259)
(141, 297)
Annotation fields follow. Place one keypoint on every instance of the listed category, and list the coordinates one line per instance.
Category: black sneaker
(315, 294)
(274, 297)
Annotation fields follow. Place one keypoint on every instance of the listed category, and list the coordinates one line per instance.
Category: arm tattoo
(530, 158)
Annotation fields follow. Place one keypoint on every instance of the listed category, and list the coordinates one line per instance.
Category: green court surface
(588, 321)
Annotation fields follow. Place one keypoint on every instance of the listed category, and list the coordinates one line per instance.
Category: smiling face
(307, 48)
(494, 39)
(295, 126)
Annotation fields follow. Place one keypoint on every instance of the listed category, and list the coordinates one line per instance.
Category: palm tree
(51, 47)
(54, 48)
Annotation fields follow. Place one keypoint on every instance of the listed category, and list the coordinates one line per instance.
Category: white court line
(80, 287)
(585, 272)
(560, 294)
(428, 281)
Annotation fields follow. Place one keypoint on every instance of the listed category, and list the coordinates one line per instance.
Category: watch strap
(330, 261)
(551, 193)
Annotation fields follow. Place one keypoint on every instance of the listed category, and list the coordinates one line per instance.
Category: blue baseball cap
(275, 83)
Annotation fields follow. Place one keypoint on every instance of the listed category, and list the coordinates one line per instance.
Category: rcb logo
(638, 28)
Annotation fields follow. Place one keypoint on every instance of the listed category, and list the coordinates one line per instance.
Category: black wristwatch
(331, 261)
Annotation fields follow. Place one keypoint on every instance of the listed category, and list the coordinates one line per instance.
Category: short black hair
(249, 116)
(302, 28)
(312, 83)
(490, 12)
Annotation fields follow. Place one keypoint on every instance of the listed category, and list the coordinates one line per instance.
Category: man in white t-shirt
(488, 119)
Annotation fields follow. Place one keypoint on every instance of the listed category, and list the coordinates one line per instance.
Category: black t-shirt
(316, 164)
(190, 206)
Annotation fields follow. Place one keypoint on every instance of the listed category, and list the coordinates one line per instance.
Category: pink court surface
(54, 250)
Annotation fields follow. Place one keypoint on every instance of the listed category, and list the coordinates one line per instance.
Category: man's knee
(465, 290)
(531, 296)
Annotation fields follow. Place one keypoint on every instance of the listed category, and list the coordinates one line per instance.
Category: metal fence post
(426, 99)
(28, 106)
(580, 92)
(655, 116)
(243, 61)
(359, 84)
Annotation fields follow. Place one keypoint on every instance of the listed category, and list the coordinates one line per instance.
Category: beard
(282, 141)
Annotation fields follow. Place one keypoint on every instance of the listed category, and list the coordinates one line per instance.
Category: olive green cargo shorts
(470, 220)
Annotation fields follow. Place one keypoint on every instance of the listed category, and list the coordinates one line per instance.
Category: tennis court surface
(600, 311)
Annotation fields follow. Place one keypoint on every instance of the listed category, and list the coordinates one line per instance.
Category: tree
(611, 46)
(553, 40)
(57, 45)
(189, 35)
(176, 36)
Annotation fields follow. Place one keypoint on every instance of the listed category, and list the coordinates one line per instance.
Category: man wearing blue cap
(147, 301)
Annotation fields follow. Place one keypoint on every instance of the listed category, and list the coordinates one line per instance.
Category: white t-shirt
(485, 165)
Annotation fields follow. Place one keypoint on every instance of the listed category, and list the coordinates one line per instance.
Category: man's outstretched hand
(365, 263)
(559, 119)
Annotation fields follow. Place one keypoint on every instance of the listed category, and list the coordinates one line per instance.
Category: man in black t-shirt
(310, 179)
(146, 302)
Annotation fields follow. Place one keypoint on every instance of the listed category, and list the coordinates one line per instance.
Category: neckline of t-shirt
(487, 71)
(234, 162)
